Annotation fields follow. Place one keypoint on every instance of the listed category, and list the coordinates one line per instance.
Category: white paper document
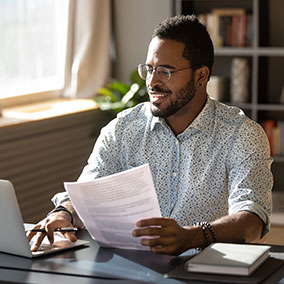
(110, 206)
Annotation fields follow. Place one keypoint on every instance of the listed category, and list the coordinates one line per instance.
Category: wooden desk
(93, 264)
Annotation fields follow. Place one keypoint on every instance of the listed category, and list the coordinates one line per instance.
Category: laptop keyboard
(44, 246)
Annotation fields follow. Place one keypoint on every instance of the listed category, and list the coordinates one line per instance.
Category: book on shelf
(276, 142)
(230, 259)
(268, 128)
(229, 22)
(280, 125)
(228, 26)
(275, 134)
(282, 96)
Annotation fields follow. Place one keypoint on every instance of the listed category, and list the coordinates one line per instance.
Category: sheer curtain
(88, 46)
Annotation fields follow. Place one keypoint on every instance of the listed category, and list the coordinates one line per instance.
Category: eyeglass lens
(145, 71)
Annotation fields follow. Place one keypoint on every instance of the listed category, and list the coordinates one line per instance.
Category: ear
(201, 76)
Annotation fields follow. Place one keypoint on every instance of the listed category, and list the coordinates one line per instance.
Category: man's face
(171, 97)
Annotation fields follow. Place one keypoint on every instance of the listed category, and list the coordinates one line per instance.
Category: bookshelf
(264, 53)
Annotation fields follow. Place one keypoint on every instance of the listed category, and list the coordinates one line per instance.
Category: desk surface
(93, 264)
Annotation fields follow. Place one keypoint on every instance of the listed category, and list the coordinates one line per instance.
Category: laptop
(13, 237)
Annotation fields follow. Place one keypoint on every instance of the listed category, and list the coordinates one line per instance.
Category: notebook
(13, 237)
(226, 258)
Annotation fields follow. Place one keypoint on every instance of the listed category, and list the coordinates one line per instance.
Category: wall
(134, 22)
(37, 157)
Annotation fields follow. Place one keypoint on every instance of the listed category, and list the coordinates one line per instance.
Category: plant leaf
(135, 78)
(122, 88)
(107, 93)
(130, 94)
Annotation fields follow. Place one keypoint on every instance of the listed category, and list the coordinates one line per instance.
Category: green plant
(117, 96)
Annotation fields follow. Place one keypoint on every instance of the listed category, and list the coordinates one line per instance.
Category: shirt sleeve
(250, 178)
(103, 161)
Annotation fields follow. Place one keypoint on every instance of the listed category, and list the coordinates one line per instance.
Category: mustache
(158, 89)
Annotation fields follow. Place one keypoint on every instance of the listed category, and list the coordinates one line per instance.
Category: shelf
(277, 217)
(258, 107)
(278, 159)
(234, 51)
(247, 106)
(269, 51)
(273, 107)
(249, 51)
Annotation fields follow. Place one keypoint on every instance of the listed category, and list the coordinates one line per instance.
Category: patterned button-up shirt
(218, 166)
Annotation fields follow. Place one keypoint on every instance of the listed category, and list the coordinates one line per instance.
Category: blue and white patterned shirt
(218, 166)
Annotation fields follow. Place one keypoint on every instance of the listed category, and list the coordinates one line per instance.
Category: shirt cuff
(256, 209)
(59, 198)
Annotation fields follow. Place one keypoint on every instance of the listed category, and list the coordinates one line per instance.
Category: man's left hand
(164, 235)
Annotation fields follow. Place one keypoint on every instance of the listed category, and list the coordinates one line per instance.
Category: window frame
(36, 97)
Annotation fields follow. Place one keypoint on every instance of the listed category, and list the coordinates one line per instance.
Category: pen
(67, 229)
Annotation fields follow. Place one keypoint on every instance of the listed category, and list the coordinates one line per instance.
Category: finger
(37, 242)
(158, 241)
(164, 222)
(151, 242)
(148, 232)
(160, 246)
(29, 233)
(50, 235)
(70, 236)
(163, 250)
(50, 226)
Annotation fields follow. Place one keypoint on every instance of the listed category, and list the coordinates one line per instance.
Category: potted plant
(117, 96)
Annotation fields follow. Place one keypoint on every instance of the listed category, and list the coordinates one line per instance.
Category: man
(210, 163)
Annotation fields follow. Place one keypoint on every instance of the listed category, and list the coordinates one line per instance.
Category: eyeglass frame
(154, 70)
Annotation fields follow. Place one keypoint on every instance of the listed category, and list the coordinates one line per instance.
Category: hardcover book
(227, 258)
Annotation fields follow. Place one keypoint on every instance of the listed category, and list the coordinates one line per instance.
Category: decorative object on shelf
(282, 96)
(216, 88)
(240, 72)
(281, 126)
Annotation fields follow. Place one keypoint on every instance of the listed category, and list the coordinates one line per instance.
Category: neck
(184, 117)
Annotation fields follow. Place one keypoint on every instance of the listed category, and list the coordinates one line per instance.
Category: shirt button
(174, 174)
(176, 142)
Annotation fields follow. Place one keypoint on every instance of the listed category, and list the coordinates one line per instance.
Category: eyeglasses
(164, 74)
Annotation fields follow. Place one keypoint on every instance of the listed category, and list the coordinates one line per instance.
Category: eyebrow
(163, 65)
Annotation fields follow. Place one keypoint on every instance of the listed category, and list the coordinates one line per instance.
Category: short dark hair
(199, 50)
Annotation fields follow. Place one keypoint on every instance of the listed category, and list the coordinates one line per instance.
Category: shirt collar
(156, 121)
(205, 119)
(203, 122)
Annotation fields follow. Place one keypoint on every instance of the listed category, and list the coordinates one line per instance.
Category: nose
(153, 79)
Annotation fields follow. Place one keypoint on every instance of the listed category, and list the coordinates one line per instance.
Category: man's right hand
(54, 220)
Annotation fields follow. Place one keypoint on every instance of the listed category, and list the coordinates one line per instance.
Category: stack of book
(228, 263)
(227, 258)
(275, 133)
(228, 27)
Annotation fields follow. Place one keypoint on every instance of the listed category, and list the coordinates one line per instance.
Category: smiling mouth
(156, 98)
(159, 95)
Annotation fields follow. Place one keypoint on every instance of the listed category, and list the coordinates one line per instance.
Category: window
(33, 46)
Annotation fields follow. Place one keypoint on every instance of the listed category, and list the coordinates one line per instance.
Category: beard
(183, 97)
